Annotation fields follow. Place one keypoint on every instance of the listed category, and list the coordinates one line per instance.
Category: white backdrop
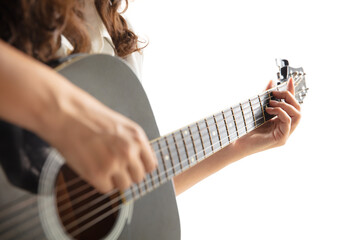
(206, 55)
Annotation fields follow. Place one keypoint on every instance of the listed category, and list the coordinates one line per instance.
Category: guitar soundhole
(83, 212)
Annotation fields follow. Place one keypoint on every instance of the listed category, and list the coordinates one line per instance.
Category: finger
(284, 118)
(147, 155)
(290, 110)
(148, 158)
(103, 186)
(290, 86)
(121, 180)
(288, 97)
(136, 170)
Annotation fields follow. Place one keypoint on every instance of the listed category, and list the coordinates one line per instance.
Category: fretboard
(184, 148)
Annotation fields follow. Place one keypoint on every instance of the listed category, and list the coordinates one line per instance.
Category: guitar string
(116, 199)
(214, 144)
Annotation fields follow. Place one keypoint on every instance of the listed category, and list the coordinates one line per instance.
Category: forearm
(30, 92)
(209, 166)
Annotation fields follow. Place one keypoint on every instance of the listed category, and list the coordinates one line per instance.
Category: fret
(248, 116)
(239, 120)
(182, 150)
(262, 109)
(266, 99)
(129, 196)
(154, 180)
(189, 146)
(222, 130)
(201, 156)
(257, 111)
(174, 153)
(155, 177)
(170, 171)
(235, 124)
(141, 188)
(136, 191)
(230, 125)
(196, 138)
(217, 131)
(185, 146)
(244, 118)
(205, 134)
(164, 162)
(226, 125)
(148, 183)
(253, 114)
(213, 133)
(135, 194)
(161, 167)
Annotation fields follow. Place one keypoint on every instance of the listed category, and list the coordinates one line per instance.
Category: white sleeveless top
(101, 41)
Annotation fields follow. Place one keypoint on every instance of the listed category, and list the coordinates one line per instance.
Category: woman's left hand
(276, 131)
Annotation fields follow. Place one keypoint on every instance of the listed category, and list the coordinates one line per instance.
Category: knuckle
(288, 119)
(129, 153)
(138, 133)
(127, 150)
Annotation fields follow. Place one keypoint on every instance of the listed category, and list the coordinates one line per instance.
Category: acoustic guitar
(42, 198)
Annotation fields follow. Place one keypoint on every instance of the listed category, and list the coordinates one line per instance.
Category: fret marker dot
(185, 133)
(192, 159)
(167, 157)
(230, 124)
(214, 133)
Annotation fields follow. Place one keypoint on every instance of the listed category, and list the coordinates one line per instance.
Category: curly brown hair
(35, 26)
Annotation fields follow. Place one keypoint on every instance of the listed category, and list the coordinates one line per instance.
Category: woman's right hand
(105, 148)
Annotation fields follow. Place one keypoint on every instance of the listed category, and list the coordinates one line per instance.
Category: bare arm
(272, 134)
(85, 131)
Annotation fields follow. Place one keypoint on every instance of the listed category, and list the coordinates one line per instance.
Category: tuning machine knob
(283, 66)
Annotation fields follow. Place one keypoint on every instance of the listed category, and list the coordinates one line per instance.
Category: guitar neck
(186, 147)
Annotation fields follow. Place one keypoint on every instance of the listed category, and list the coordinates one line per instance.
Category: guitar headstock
(297, 74)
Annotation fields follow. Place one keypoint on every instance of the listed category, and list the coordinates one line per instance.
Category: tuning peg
(281, 62)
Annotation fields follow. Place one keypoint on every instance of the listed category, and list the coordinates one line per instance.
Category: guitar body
(33, 213)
